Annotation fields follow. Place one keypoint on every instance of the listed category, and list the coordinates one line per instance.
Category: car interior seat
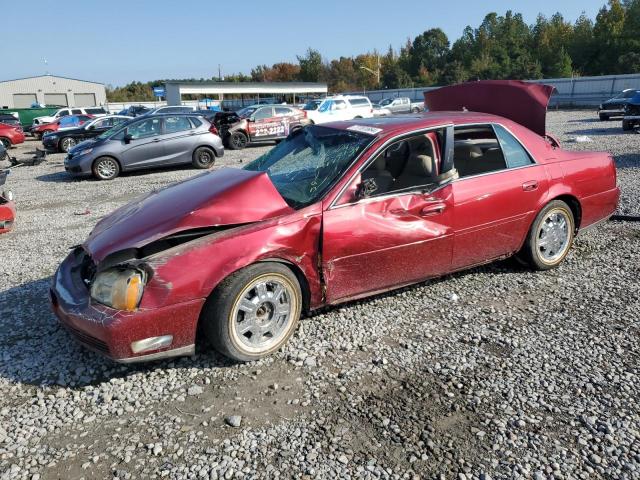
(378, 171)
(421, 168)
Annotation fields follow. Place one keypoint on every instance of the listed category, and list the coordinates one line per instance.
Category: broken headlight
(119, 288)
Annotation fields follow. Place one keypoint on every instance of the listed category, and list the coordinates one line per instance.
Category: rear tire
(415, 110)
(203, 158)
(253, 312)
(550, 237)
(238, 140)
(105, 168)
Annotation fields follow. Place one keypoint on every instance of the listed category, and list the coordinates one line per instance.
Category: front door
(400, 234)
(264, 125)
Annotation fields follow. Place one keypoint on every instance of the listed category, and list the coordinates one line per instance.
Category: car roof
(401, 123)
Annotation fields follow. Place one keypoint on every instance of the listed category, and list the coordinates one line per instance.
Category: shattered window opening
(309, 162)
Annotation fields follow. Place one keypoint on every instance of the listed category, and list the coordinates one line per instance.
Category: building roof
(50, 76)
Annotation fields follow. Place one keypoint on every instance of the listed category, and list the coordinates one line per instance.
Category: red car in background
(11, 135)
(7, 205)
(68, 121)
(335, 212)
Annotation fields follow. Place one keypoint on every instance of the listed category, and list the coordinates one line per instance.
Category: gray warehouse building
(51, 90)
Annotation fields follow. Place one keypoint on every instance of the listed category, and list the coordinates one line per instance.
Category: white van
(341, 107)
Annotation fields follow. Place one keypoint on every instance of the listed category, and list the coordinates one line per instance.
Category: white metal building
(51, 90)
(175, 90)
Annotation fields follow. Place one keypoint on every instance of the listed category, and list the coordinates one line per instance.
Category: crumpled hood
(228, 196)
(524, 103)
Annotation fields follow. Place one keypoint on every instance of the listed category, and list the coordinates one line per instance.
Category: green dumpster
(26, 115)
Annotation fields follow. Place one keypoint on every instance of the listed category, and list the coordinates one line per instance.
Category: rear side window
(94, 111)
(359, 102)
(477, 151)
(76, 111)
(283, 112)
(176, 124)
(195, 122)
(514, 152)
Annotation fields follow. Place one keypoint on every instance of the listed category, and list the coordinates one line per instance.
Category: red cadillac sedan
(333, 213)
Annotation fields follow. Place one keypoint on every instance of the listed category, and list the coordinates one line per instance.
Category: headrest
(421, 165)
(468, 150)
(421, 146)
(380, 163)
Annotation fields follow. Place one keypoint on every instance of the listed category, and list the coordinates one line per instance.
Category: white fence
(571, 92)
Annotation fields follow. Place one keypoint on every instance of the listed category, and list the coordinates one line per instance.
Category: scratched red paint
(340, 247)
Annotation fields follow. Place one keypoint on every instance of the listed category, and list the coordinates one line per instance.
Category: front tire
(550, 237)
(627, 125)
(66, 144)
(6, 143)
(203, 158)
(238, 141)
(106, 168)
(253, 312)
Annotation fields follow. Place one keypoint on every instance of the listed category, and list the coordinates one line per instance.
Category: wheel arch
(107, 155)
(574, 204)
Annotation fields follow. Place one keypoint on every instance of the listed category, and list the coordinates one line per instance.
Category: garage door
(55, 99)
(84, 99)
(23, 100)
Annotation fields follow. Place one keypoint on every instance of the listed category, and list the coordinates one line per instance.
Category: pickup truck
(402, 105)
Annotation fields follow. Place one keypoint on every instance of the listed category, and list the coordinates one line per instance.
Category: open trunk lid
(522, 102)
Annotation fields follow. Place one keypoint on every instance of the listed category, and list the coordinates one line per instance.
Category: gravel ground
(497, 372)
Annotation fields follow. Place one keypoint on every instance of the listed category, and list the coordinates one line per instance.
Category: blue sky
(116, 42)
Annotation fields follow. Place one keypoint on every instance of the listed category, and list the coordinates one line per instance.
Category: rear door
(146, 147)
(496, 196)
(179, 139)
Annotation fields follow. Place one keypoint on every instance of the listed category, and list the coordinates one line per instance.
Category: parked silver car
(147, 142)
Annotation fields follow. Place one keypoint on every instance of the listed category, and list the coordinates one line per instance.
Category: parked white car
(63, 112)
(338, 108)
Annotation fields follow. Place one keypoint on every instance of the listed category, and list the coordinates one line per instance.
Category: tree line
(501, 47)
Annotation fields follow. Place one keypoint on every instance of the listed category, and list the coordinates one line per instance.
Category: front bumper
(79, 165)
(112, 332)
(49, 143)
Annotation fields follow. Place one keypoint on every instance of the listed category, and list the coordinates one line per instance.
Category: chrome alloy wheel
(552, 240)
(263, 313)
(67, 144)
(107, 168)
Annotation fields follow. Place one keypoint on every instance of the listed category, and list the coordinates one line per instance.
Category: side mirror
(127, 137)
(367, 188)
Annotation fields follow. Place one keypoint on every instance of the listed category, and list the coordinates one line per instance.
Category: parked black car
(614, 107)
(631, 117)
(64, 139)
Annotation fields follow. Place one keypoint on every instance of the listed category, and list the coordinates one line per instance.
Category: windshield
(310, 161)
(386, 101)
(112, 130)
(246, 112)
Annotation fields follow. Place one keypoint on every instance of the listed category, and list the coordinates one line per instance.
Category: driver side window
(403, 166)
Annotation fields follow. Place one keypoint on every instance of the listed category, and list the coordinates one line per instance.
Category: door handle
(431, 210)
(530, 186)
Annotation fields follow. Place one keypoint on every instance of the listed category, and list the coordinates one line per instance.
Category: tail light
(214, 130)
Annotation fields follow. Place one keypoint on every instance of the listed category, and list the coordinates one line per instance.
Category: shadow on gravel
(57, 177)
(36, 350)
(629, 160)
(594, 132)
(64, 177)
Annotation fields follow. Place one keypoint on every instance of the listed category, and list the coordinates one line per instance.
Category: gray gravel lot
(517, 375)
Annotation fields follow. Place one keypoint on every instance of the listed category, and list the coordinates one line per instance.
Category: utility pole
(219, 73)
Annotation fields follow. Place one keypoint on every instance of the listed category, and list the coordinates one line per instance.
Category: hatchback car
(147, 142)
(64, 140)
(335, 212)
